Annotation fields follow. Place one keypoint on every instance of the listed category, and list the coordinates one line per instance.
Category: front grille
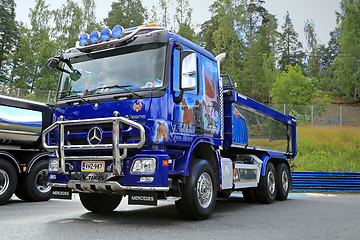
(78, 134)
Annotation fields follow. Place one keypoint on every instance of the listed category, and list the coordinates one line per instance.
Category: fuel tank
(22, 121)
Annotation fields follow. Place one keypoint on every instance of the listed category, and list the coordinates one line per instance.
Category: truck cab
(142, 112)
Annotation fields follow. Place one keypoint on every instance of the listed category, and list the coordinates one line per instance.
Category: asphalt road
(302, 216)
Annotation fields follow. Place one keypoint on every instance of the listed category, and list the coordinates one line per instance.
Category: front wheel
(35, 186)
(199, 192)
(100, 203)
(266, 190)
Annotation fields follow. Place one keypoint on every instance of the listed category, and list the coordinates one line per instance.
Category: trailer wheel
(8, 181)
(100, 203)
(283, 182)
(34, 186)
(198, 193)
(266, 190)
(249, 195)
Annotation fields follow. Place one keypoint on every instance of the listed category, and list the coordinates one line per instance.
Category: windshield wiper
(78, 98)
(124, 87)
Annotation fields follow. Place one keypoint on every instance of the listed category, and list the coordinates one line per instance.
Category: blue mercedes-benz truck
(144, 113)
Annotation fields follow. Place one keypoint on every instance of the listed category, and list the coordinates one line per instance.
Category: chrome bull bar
(115, 146)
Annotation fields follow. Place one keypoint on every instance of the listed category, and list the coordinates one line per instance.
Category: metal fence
(334, 115)
(326, 181)
(45, 96)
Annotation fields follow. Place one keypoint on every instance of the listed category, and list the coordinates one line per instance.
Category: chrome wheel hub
(42, 181)
(204, 190)
(285, 181)
(271, 182)
(4, 181)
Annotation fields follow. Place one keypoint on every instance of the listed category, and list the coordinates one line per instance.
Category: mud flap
(143, 198)
(61, 193)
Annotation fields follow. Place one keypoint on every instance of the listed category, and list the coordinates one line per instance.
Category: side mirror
(52, 63)
(188, 70)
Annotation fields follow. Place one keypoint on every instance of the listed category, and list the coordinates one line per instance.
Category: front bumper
(106, 187)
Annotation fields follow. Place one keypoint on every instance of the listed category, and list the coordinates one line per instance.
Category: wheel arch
(38, 157)
(277, 161)
(11, 159)
(204, 150)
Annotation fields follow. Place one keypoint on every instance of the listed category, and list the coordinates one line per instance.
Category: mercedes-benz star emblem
(94, 136)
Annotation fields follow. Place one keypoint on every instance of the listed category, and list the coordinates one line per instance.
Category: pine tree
(127, 13)
(230, 17)
(289, 47)
(8, 36)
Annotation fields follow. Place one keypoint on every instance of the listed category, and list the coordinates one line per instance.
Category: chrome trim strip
(20, 132)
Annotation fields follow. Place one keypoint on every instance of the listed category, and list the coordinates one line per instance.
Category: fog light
(143, 166)
(146, 179)
(53, 165)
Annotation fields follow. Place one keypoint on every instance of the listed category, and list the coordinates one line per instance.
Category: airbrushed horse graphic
(188, 115)
(162, 132)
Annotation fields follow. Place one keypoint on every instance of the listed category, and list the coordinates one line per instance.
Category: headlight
(53, 165)
(143, 166)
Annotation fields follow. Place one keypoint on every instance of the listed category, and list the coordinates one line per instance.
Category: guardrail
(326, 181)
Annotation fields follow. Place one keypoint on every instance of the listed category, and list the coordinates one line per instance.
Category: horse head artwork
(162, 132)
(188, 116)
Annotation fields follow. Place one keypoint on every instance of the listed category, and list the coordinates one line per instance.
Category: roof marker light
(105, 34)
(94, 37)
(117, 31)
(84, 38)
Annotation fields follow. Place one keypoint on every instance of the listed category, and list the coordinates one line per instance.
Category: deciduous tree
(127, 13)
(8, 36)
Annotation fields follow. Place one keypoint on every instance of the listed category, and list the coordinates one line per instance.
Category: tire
(283, 182)
(224, 193)
(266, 190)
(198, 196)
(249, 195)
(34, 186)
(8, 181)
(100, 203)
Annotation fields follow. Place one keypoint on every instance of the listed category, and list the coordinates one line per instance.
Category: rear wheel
(100, 203)
(283, 182)
(8, 181)
(35, 186)
(266, 190)
(198, 193)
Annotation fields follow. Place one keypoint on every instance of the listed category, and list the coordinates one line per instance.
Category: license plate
(143, 198)
(61, 193)
(87, 166)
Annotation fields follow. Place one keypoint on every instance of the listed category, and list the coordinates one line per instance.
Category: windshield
(121, 70)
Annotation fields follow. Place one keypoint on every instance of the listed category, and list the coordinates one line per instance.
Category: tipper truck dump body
(146, 114)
